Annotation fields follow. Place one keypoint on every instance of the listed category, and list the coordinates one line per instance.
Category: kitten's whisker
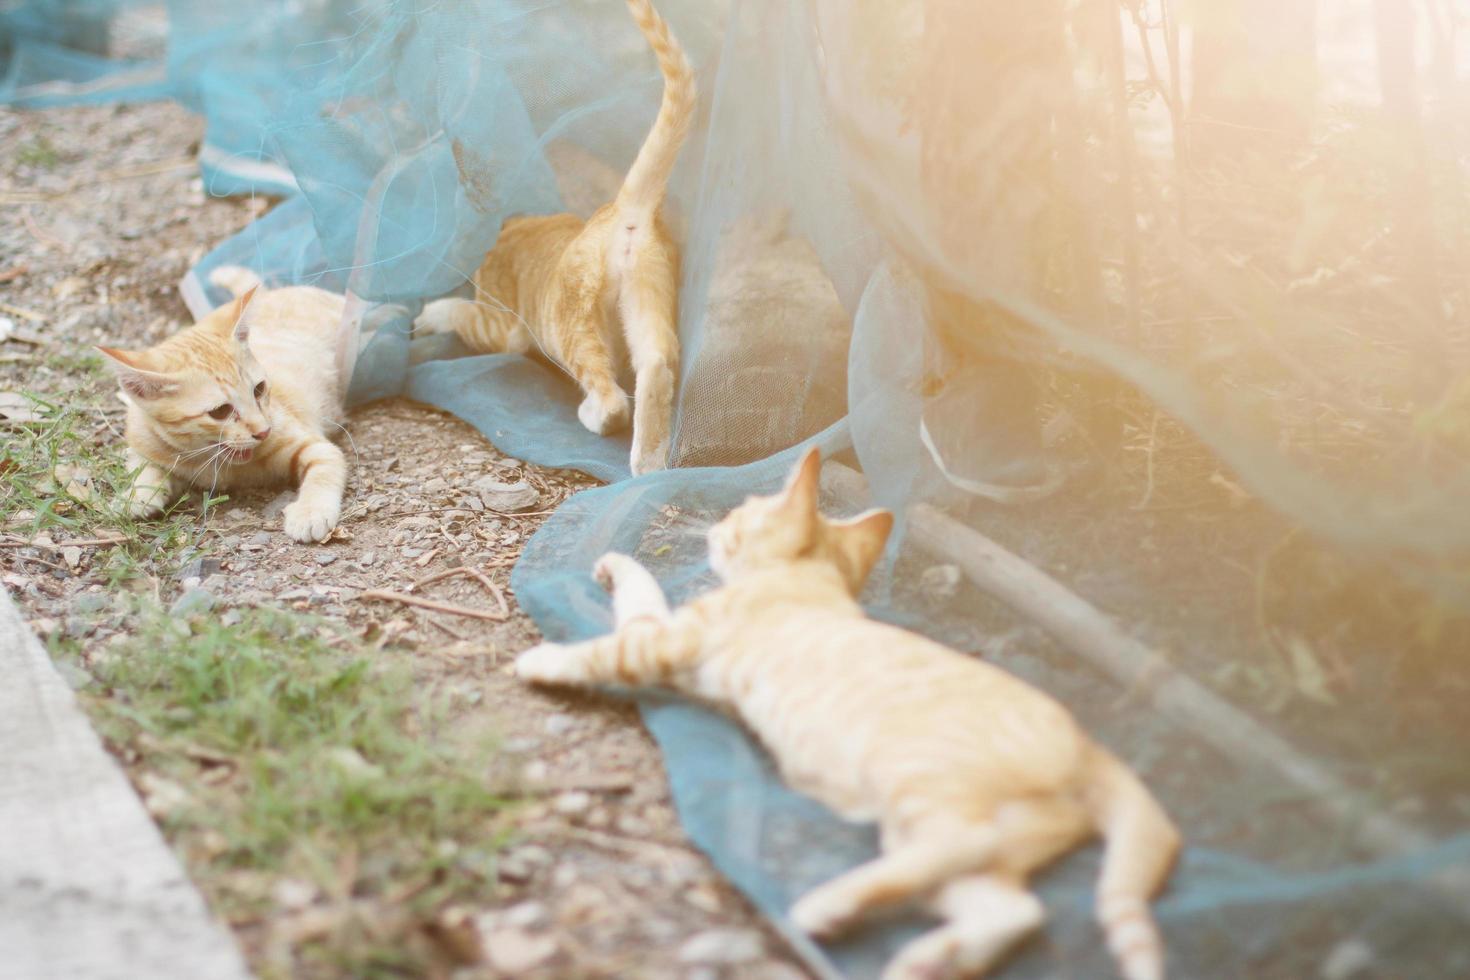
(350, 441)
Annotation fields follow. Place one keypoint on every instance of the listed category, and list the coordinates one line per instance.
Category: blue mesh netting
(901, 242)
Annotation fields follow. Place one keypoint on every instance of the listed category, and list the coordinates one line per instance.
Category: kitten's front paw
(935, 956)
(823, 912)
(609, 568)
(549, 663)
(437, 317)
(146, 502)
(307, 521)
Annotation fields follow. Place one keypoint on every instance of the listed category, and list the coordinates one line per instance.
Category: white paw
(436, 317)
(549, 663)
(604, 415)
(823, 912)
(306, 521)
(608, 569)
(927, 958)
(147, 502)
(645, 460)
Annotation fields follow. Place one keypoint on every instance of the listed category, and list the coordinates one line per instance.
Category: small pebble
(293, 894)
(573, 803)
(325, 557)
(521, 864)
(91, 603)
(526, 915)
(192, 602)
(724, 947)
(940, 581)
(199, 568)
(515, 951)
(506, 498)
(559, 724)
(1349, 958)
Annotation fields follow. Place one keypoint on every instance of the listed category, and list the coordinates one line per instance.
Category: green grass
(66, 474)
(38, 152)
(306, 761)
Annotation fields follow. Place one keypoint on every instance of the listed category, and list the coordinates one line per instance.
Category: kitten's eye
(260, 391)
(221, 412)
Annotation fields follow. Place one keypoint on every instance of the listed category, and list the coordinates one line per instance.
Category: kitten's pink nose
(260, 436)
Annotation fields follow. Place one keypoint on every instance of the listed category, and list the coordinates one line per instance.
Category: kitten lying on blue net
(977, 779)
(585, 292)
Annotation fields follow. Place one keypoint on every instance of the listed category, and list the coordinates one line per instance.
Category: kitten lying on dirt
(244, 397)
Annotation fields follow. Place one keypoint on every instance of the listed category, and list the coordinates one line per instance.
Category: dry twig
(384, 595)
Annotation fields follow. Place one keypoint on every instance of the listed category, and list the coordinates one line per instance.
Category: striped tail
(643, 189)
(236, 278)
(1142, 844)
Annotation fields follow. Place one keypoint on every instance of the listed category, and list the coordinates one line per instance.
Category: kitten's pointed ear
(136, 373)
(802, 488)
(233, 318)
(239, 322)
(860, 541)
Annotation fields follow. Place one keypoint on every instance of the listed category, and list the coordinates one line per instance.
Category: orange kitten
(976, 779)
(242, 398)
(597, 294)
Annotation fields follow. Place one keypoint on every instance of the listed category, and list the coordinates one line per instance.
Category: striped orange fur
(976, 779)
(593, 295)
(245, 397)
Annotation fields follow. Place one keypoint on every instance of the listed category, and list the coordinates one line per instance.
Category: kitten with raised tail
(245, 397)
(597, 294)
(976, 779)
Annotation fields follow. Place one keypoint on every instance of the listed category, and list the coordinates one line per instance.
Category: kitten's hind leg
(647, 310)
(986, 916)
(634, 590)
(932, 854)
(479, 323)
(576, 341)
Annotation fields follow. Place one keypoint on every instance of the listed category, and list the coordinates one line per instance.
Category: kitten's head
(201, 389)
(786, 527)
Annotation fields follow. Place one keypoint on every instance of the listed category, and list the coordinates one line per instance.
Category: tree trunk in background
(1410, 174)
(1255, 74)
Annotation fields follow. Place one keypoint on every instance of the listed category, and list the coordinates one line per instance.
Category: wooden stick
(490, 587)
(383, 595)
(1082, 629)
(438, 576)
(79, 543)
(472, 572)
(24, 313)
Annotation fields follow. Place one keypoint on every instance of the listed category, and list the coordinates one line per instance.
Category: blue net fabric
(891, 253)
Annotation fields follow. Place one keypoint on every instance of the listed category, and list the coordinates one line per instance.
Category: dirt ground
(101, 214)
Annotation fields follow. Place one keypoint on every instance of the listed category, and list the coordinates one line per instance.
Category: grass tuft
(272, 754)
(38, 153)
(66, 472)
